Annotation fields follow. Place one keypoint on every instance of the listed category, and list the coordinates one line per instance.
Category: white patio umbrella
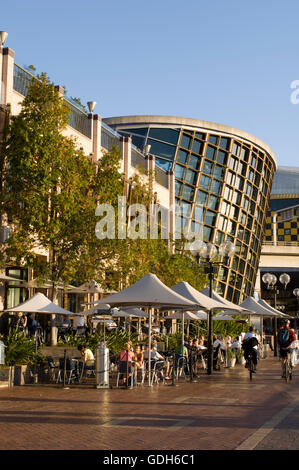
(148, 292)
(265, 304)
(39, 303)
(233, 308)
(202, 300)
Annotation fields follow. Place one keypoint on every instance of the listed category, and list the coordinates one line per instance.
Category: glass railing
(109, 137)
(22, 80)
(161, 176)
(138, 160)
(79, 120)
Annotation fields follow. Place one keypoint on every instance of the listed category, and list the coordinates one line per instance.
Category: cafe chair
(70, 370)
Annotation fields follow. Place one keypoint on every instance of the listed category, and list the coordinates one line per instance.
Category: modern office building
(280, 250)
(223, 179)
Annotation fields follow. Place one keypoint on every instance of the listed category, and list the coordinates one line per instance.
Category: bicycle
(287, 368)
(251, 367)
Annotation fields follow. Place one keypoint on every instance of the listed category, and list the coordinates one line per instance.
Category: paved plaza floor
(224, 411)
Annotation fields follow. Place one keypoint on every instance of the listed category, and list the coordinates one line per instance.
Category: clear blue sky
(229, 61)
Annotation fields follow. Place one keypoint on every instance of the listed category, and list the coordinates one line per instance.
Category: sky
(229, 62)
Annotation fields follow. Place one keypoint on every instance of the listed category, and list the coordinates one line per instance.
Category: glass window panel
(241, 266)
(235, 212)
(247, 237)
(239, 280)
(219, 237)
(182, 156)
(216, 187)
(237, 197)
(210, 218)
(248, 189)
(167, 135)
(213, 202)
(222, 223)
(223, 273)
(240, 183)
(205, 182)
(231, 227)
(236, 149)
(194, 162)
(199, 135)
(178, 188)
(197, 229)
(138, 131)
(259, 165)
(225, 143)
(245, 154)
(161, 150)
(231, 178)
(243, 218)
(180, 172)
(219, 172)
(186, 141)
(185, 208)
(222, 157)
(228, 193)
(211, 152)
(253, 159)
(243, 169)
(138, 141)
(214, 139)
(165, 164)
(251, 175)
(198, 213)
(257, 179)
(202, 198)
(245, 203)
(225, 209)
(197, 147)
(188, 192)
(207, 234)
(234, 163)
(191, 177)
(208, 167)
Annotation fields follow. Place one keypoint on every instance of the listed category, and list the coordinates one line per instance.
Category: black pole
(127, 369)
(64, 368)
(210, 322)
(275, 324)
(173, 369)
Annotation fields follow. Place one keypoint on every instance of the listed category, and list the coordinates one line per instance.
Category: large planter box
(7, 376)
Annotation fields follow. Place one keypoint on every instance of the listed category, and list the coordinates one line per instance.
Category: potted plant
(20, 352)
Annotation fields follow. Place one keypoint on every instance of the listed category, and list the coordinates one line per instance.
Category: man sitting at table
(87, 358)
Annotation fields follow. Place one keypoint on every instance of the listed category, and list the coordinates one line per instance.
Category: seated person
(31, 324)
(87, 358)
(139, 363)
(127, 356)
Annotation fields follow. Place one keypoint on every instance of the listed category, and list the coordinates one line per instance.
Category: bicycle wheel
(250, 367)
(287, 371)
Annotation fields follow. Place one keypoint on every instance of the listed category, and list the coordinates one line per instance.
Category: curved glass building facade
(223, 180)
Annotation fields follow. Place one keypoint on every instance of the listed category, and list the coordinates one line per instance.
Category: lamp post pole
(208, 251)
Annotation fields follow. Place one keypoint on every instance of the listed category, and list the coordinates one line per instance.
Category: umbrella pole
(183, 332)
(149, 345)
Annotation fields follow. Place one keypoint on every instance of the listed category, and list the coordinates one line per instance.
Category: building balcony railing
(78, 119)
(281, 243)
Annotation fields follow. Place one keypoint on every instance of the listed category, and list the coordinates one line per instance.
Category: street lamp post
(207, 252)
(270, 280)
(296, 294)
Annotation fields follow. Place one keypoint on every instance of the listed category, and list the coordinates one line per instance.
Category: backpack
(283, 339)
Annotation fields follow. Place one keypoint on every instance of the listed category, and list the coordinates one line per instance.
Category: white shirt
(155, 356)
(250, 335)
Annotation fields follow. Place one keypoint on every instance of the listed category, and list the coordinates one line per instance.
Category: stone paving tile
(219, 412)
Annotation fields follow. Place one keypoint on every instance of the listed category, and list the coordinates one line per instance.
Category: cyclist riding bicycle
(285, 338)
(250, 345)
